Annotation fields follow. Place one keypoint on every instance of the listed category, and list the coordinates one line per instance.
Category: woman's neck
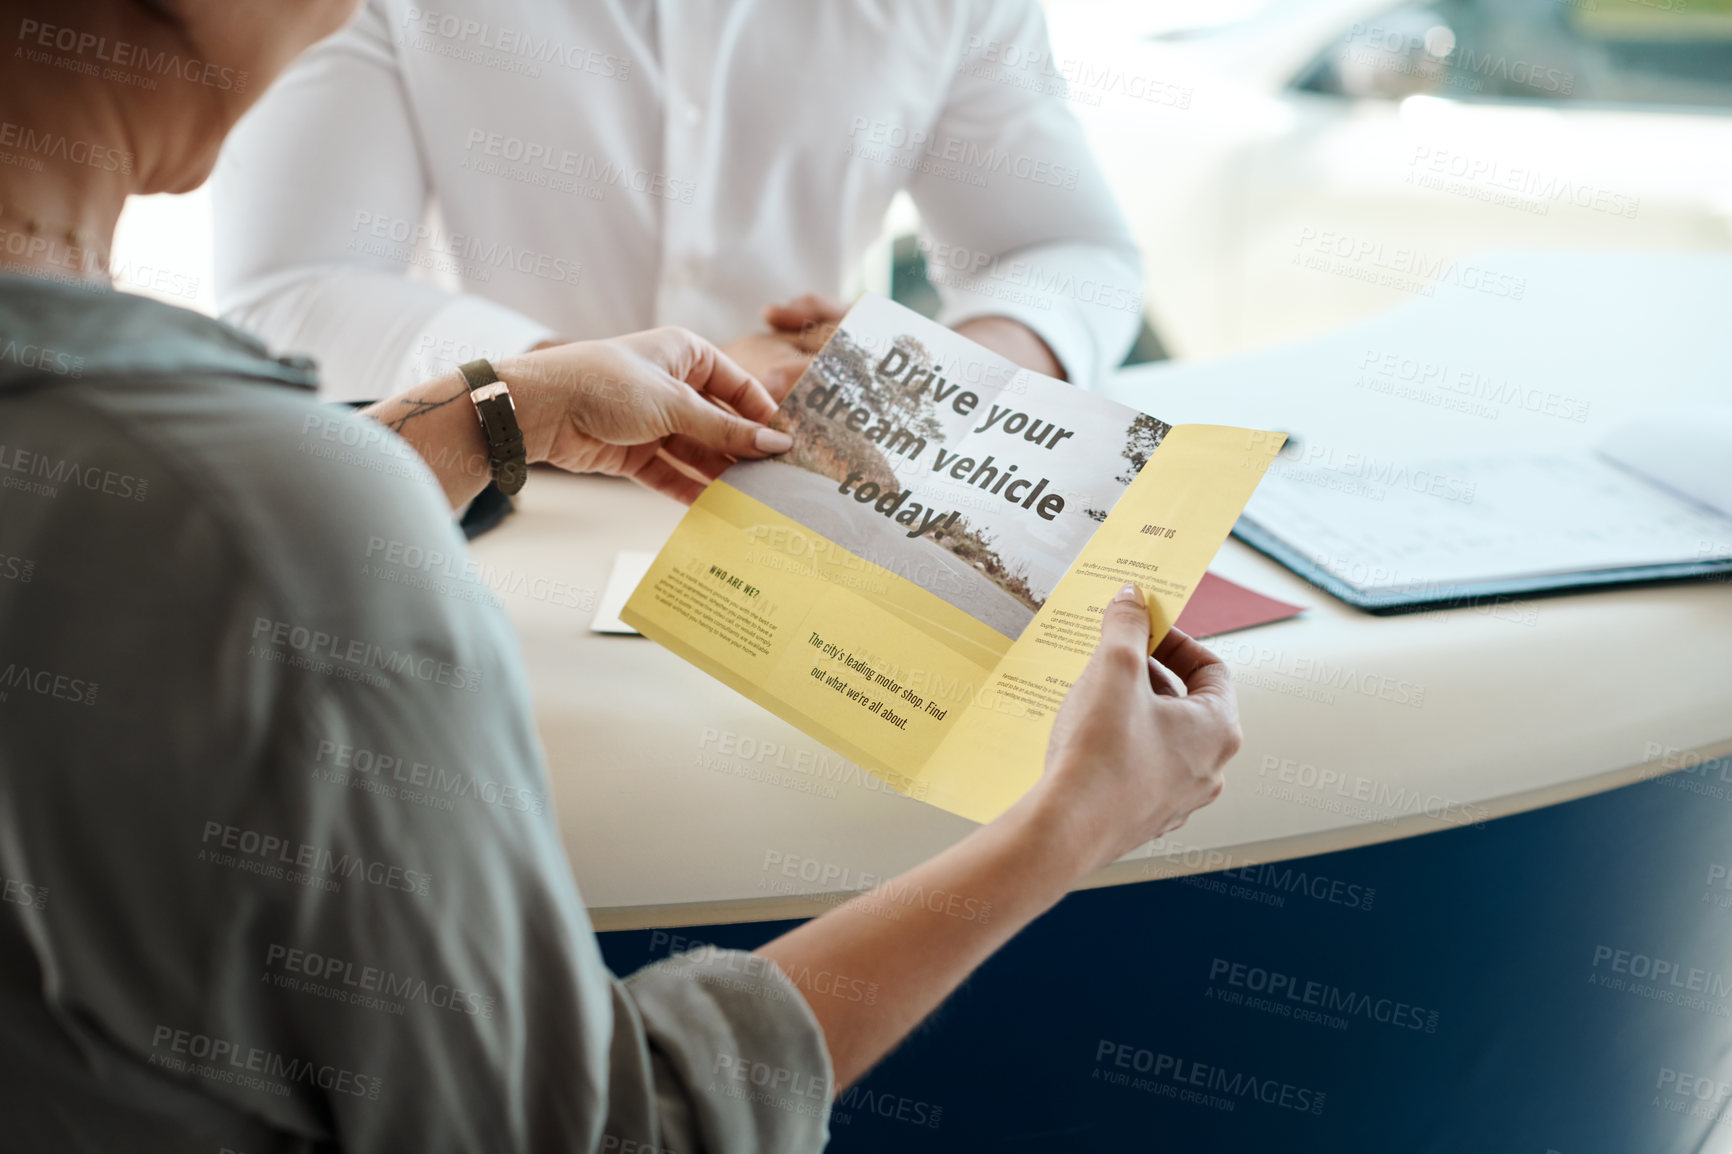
(65, 172)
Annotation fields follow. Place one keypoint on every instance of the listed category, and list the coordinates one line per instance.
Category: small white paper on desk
(629, 568)
(1419, 524)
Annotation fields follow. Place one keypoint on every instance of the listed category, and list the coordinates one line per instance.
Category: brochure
(919, 580)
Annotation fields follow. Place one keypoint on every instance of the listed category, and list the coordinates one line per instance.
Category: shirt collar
(52, 329)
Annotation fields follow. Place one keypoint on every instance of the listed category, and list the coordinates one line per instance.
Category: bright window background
(162, 249)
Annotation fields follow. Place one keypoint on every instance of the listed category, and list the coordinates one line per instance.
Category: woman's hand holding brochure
(1130, 759)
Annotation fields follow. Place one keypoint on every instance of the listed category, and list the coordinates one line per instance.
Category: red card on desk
(1221, 606)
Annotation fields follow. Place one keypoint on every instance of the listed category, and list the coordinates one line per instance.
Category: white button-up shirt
(434, 184)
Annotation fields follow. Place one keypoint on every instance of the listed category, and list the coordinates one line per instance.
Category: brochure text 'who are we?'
(919, 580)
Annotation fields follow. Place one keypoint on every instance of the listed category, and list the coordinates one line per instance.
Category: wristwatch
(498, 416)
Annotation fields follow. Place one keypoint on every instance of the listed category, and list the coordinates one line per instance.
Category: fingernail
(773, 441)
(1130, 593)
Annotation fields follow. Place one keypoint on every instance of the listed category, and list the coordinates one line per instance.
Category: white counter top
(682, 803)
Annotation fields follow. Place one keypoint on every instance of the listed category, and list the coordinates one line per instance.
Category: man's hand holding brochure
(920, 581)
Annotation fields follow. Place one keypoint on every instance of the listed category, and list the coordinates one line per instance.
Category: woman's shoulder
(201, 421)
(66, 330)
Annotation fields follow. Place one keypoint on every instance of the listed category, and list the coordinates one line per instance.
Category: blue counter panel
(1560, 980)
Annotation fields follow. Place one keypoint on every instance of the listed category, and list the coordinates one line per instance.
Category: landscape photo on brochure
(976, 481)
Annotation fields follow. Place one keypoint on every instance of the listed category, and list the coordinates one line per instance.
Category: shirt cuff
(743, 1058)
(1084, 302)
(466, 328)
(373, 334)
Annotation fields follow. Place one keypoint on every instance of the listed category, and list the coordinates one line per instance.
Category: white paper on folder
(1688, 450)
(629, 568)
(1411, 526)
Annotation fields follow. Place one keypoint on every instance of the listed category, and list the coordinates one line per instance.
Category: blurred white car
(1291, 165)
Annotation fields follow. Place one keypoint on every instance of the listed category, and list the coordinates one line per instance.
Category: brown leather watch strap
(498, 414)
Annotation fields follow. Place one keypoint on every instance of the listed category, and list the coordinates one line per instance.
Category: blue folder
(1441, 596)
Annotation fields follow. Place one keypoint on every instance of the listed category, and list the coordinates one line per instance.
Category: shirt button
(693, 114)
